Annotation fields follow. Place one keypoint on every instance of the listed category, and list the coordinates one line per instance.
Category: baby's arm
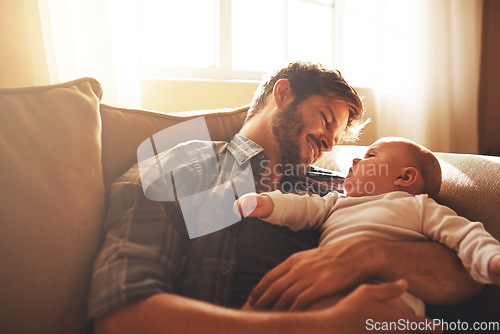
(478, 250)
(295, 211)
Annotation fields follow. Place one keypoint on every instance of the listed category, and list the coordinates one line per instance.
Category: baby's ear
(407, 177)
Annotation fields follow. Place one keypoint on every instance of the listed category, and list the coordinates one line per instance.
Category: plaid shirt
(147, 249)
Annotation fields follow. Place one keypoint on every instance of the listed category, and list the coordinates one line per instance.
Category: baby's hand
(494, 269)
(254, 205)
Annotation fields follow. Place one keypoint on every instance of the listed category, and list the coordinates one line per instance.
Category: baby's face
(377, 171)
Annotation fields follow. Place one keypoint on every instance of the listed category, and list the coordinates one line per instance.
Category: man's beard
(287, 126)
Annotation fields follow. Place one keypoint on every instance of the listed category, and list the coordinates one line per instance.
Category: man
(151, 277)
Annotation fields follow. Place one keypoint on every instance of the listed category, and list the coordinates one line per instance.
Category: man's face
(378, 170)
(305, 131)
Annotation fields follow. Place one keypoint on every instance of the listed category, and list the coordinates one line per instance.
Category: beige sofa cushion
(124, 129)
(471, 186)
(51, 204)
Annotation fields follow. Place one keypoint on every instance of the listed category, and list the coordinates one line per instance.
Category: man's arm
(167, 313)
(433, 271)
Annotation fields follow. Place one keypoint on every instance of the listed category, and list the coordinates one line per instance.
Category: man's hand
(365, 311)
(309, 276)
(494, 269)
(254, 205)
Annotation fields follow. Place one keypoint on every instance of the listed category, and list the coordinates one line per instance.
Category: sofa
(60, 150)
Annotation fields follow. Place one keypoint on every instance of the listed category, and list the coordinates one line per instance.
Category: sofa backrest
(471, 187)
(124, 129)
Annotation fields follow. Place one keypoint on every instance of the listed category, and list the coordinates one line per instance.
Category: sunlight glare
(178, 33)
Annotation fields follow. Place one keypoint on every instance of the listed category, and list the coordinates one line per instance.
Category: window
(232, 39)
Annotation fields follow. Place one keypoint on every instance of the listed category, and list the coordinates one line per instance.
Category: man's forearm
(166, 313)
(434, 272)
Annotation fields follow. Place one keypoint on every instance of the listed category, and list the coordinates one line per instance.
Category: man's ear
(282, 93)
(408, 177)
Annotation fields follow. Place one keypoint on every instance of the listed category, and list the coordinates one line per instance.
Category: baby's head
(392, 164)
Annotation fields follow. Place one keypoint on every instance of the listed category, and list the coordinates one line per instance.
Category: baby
(387, 195)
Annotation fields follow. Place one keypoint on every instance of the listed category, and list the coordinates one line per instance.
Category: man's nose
(326, 143)
(328, 138)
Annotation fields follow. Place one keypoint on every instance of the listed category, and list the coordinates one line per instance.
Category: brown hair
(307, 79)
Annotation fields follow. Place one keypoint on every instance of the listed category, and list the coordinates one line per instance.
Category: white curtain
(96, 38)
(422, 59)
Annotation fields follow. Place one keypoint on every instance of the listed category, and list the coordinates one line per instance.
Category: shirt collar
(243, 149)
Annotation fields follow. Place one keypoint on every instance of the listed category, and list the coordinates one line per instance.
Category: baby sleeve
(300, 212)
(473, 244)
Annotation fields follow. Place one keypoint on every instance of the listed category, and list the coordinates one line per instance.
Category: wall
(179, 95)
(489, 105)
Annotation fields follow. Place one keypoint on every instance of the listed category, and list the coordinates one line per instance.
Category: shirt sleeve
(143, 249)
(473, 244)
(300, 212)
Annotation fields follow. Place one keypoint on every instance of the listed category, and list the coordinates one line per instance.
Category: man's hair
(307, 79)
(428, 166)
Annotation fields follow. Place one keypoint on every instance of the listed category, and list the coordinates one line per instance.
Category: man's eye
(324, 118)
(370, 155)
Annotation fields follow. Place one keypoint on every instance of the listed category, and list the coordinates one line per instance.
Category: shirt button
(225, 271)
(261, 156)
